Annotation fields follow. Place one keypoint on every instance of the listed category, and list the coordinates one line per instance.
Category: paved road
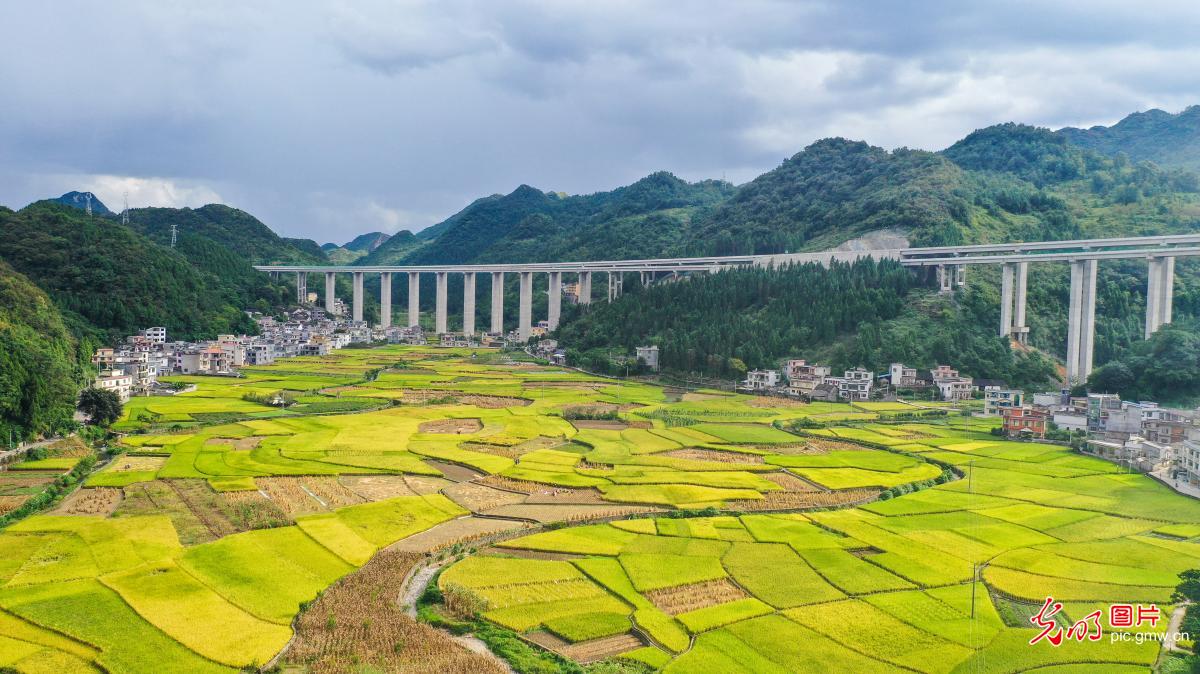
(6, 454)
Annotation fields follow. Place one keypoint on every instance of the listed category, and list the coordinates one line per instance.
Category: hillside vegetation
(41, 363)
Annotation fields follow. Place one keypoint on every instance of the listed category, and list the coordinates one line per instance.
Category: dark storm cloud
(328, 119)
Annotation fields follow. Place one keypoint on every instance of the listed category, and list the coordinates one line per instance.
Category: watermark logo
(1055, 630)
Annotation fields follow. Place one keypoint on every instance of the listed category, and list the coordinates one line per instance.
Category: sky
(329, 119)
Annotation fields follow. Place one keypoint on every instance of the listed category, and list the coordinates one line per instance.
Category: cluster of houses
(810, 381)
(134, 366)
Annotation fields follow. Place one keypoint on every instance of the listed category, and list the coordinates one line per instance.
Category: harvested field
(684, 598)
(161, 498)
(331, 492)
(97, 501)
(357, 624)
(237, 443)
(788, 500)
(452, 426)
(11, 503)
(421, 396)
(598, 649)
(289, 494)
(24, 484)
(453, 472)
(599, 424)
(133, 464)
(791, 483)
(564, 496)
(477, 497)
(547, 640)
(422, 485)
(459, 531)
(540, 442)
(713, 455)
(70, 447)
(522, 486)
(492, 402)
(566, 512)
(377, 487)
(826, 446)
(496, 450)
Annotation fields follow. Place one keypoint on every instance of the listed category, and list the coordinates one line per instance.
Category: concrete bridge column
(439, 316)
(385, 299)
(612, 286)
(414, 298)
(555, 300)
(1007, 282)
(585, 287)
(525, 312)
(330, 292)
(468, 303)
(1020, 330)
(1160, 292)
(358, 296)
(1081, 321)
(301, 287)
(498, 302)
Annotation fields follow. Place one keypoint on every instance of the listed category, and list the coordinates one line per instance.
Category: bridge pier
(585, 287)
(525, 311)
(951, 277)
(1160, 293)
(498, 302)
(414, 299)
(1081, 321)
(439, 315)
(468, 303)
(554, 304)
(385, 299)
(301, 287)
(357, 314)
(1013, 285)
(330, 292)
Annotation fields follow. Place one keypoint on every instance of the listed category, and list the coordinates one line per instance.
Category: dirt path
(415, 586)
(1173, 629)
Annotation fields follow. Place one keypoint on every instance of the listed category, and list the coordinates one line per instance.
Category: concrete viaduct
(950, 262)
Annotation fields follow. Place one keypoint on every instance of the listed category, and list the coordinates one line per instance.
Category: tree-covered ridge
(232, 228)
(119, 281)
(862, 314)
(41, 363)
(1154, 135)
(649, 216)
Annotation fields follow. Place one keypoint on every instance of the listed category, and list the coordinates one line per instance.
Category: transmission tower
(125, 213)
(88, 198)
(174, 231)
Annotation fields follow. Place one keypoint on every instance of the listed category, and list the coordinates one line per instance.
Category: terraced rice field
(196, 550)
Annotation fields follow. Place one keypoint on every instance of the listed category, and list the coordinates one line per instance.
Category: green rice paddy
(807, 567)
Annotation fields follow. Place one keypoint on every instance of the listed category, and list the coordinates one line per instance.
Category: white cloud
(144, 192)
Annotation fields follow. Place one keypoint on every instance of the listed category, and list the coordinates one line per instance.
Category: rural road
(1173, 628)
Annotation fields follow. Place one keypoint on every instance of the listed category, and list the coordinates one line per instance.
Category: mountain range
(1007, 182)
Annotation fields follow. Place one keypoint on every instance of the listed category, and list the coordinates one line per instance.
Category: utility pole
(125, 211)
(87, 197)
(174, 232)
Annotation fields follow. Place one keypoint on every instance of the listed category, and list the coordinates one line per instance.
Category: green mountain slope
(234, 229)
(1154, 135)
(41, 363)
(114, 279)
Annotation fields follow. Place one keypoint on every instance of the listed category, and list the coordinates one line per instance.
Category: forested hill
(109, 278)
(647, 217)
(235, 230)
(41, 362)
(1154, 135)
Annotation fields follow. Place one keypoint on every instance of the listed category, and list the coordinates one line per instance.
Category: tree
(101, 407)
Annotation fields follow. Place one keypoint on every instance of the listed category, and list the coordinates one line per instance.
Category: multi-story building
(853, 385)
(1025, 421)
(950, 384)
(104, 358)
(116, 381)
(804, 378)
(649, 356)
(996, 400)
(1098, 407)
(900, 376)
(157, 335)
(761, 380)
